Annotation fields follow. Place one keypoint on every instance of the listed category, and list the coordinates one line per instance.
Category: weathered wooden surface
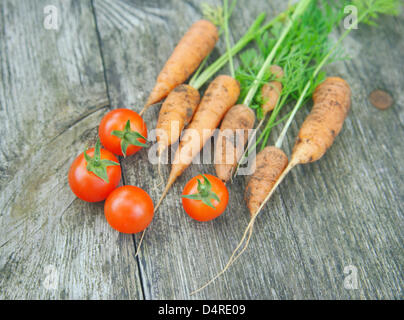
(346, 209)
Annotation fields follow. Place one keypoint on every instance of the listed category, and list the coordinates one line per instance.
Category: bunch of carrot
(182, 106)
(182, 103)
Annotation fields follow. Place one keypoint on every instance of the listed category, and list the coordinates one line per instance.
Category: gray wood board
(55, 86)
(52, 97)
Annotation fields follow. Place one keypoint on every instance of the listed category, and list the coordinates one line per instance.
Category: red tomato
(129, 209)
(114, 122)
(86, 185)
(211, 190)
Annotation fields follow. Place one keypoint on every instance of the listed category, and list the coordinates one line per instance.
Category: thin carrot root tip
(159, 173)
(140, 243)
(143, 110)
(233, 257)
(194, 46)
(170, 182)
(332, 100)
(250, 228)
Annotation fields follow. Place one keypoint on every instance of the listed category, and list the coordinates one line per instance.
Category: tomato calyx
(129, 137)
(205, 193)
(97, 165)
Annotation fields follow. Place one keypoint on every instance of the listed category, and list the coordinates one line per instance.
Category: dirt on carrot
(269, 165)
(232, 137)
(332, 100)
(175, 113)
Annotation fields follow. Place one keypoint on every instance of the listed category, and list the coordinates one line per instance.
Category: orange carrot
(269, 165)
(175, 113)
(195, 45)
(271, 91)
(332, 100)
(229, 146)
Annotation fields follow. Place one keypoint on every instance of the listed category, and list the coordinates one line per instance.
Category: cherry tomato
(85, 184)
(129, 209)
(205, 197)
(123, 132)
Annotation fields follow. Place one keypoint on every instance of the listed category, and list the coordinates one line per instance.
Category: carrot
(175, 113)
(194, 46)
(271, 91)
(219, 97)
(269, 165)
(229, 147)
(332, 100)
(277, 71)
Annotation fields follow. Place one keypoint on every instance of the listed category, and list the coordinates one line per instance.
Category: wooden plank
(179, 254)
(52, 97)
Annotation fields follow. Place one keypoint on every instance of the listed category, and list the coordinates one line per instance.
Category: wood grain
(344, 210)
